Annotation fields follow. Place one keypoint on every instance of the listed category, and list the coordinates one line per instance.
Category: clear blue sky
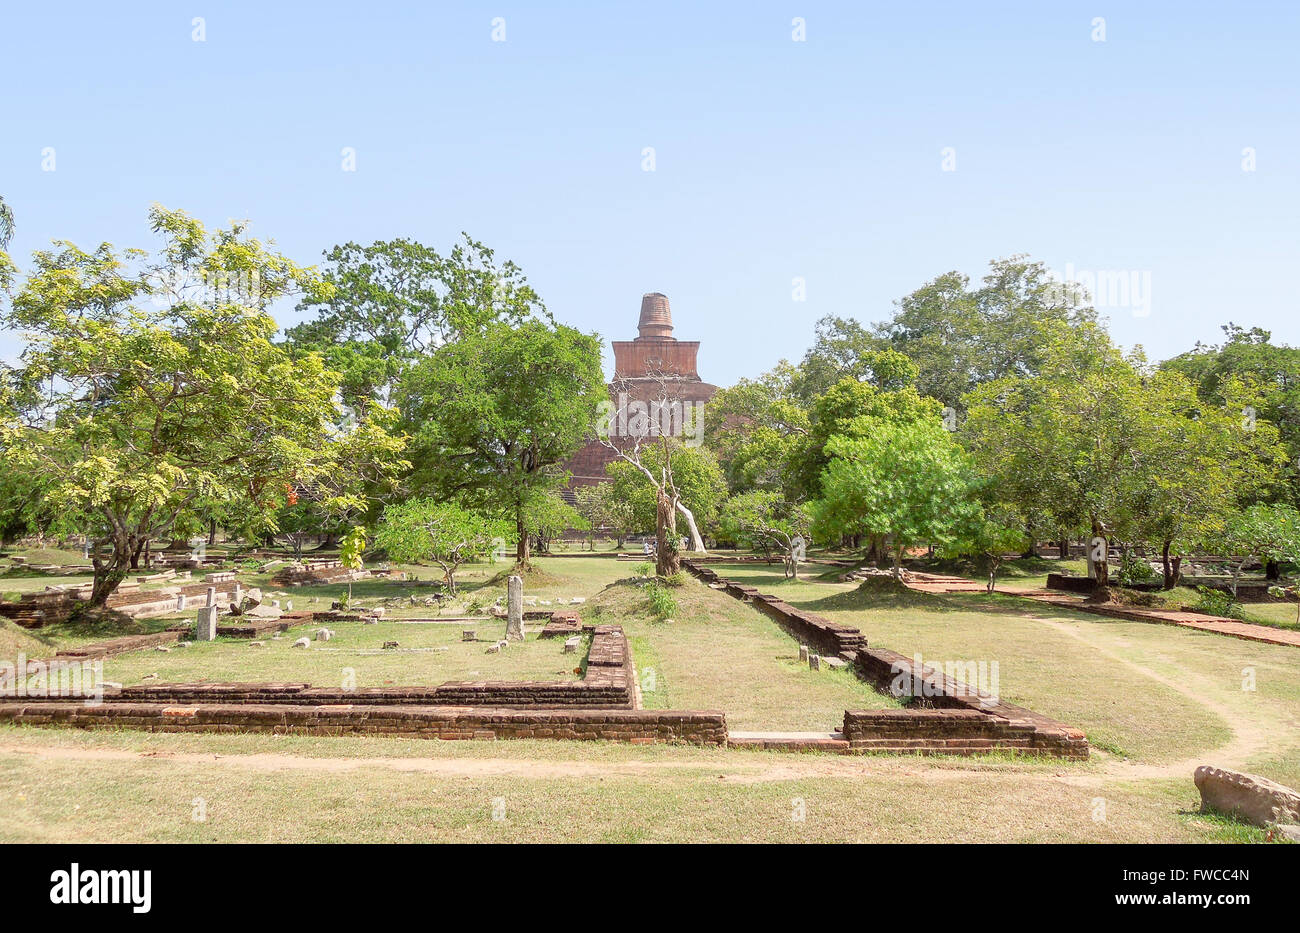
(775, 159)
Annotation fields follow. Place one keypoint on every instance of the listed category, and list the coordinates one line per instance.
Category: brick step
(789, 741)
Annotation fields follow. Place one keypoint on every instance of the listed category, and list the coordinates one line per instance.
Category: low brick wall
(607, 684)
(958, 720)
(830, 638)
(1069, 584)
(642, 727)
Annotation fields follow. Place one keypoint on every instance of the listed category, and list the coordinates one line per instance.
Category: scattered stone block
(814, 662)
(302, 643)
(468, 635)
(389, 645)
(324, 634)
(205, 627)
(257, 644)
(803, 654)
(835, 663)
(1255, 799)
(494, 649)
(571, 644)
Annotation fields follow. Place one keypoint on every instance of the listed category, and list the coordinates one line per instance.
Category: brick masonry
(959, 722)
(641, 727)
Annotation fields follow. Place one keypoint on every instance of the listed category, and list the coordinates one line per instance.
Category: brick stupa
(643, 369)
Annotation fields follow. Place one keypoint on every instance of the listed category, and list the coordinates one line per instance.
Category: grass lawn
(1155, 701)
(719, 653)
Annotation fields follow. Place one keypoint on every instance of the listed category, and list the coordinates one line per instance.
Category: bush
(662, 603)
(677, 579)
(644, 569)
(1216, 603)
(1136, 570)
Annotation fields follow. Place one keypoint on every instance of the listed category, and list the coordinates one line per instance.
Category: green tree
(149, 385)
(547, 516)
(493, 415)
(961, 337)
(1064, 442)
(909, 483)
(989, 535)
(388, 304)
(1261, 532)
(442, 532)
(663, 479)
(762, 519)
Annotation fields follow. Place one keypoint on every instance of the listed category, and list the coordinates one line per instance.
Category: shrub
(1136, 570)
(1216, 603)
(677, 579)
(662, 602)
(644, 569)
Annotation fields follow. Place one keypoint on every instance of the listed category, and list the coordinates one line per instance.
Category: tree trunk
(111, 572)
(1064, 545)
(667, 560)
(212, 532)
(135, 554)
(522, 547)
(1171, 565)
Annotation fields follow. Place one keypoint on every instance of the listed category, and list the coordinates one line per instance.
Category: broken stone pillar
(206, 627)
(515, 608)
(212, 596)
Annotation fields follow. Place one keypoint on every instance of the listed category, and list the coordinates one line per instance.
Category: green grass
(719, 653)
(1155, 700)
(429, 654)
(135, 787)
(1156, 693)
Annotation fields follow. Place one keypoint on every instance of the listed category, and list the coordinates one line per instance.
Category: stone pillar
(206, 627)
(212, 596)
(515, 608)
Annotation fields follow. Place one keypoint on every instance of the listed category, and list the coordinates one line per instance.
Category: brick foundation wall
(642, 727)
(959, 721)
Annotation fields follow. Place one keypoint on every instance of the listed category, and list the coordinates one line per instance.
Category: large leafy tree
(1196, 464)
(908, 483)
(1065, 440)
(150, 384)
(394, 301)
(1249, 357)
(961, 337)
(493, 415)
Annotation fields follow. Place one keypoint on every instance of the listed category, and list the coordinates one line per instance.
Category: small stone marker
(814, 662)
(302, 643)
(389, 645)
(803, 653)
(288, 605)
(571, 644)
(205, 628)
(180, 603)
(494, 649)
(212, 596)
(324, 634)
(515, 608)
(468, 635)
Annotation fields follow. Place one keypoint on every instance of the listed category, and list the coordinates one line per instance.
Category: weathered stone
(324, 634)
(390, 645)
(835, 663)
(814, 662)
(205, 628)
(571, 644)
(302, 643)
(803, 654)
(515, 608)
(1255, 799)
(468, 635)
